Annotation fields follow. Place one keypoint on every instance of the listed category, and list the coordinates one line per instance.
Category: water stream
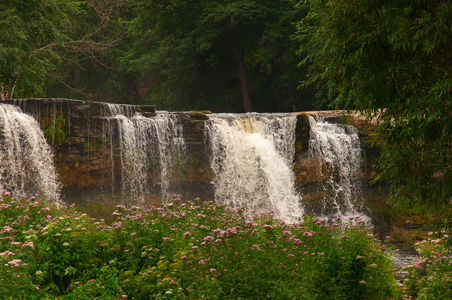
(26, 160)
(146, 145)
(337, 150)
(252, 157)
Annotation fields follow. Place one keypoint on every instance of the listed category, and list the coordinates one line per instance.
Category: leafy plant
(54, 130)
(185, 250)
(391, 61)
(430, 277)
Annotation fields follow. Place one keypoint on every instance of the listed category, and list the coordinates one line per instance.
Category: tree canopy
(223, 55)
(228, 56)
(40, 36)
(392, 60)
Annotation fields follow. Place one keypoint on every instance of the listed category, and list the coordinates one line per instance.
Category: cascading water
(337, 149)
(252, 158)
(26, 164)
(144, 143)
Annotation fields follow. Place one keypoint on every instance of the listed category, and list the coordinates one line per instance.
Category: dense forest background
(228, 56)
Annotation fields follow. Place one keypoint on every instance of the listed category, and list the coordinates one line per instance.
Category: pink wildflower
(6, 253)
(7, 229)
(117, 225)
(28, 244)
(15, 262)
(308, 234)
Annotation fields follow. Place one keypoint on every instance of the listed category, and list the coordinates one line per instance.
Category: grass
(185, 250)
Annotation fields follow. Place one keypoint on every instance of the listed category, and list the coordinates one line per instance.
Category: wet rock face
(87, 146)
(80, 158)
(86, 141)
(307, 168)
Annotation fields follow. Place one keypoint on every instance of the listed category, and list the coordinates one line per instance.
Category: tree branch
(80, 91)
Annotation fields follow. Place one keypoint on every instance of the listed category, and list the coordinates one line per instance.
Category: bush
(431, 276)
(185, 251)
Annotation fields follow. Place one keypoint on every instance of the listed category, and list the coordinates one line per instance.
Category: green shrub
(431, 276)
(186, 250)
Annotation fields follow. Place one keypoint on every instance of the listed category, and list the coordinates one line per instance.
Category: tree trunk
(12, 91)
(241, 70)
(5, 93)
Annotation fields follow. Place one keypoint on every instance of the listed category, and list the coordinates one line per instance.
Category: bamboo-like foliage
(392, 60)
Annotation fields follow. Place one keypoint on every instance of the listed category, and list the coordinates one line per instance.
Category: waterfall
(337, 149)
(251, 156)
(26, 160)
(246, 160)
(146, 145)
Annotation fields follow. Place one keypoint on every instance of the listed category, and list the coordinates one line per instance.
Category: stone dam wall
(87, 157)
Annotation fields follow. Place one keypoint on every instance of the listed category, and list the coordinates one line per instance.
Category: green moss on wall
(54, 130)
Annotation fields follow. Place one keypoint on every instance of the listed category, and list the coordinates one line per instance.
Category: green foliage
(54, 130)
(184, 250)
(392, 61)
(28, 29)
(179, 55)
(186, 50)
(430, 277)
(43, 40)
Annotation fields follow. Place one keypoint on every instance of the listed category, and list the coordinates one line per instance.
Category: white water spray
(252, 157)
(145, 143)
(338, 151)
(26, 160)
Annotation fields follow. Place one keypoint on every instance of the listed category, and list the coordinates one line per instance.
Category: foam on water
(26, 160)
(144, 143)
(337, 149)
(252, 156)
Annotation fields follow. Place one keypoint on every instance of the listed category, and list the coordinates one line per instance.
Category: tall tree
(37, 35)
(205, 52)
(392, 60)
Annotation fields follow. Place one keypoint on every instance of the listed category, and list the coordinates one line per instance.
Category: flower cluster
(189, 249)
(430, 277)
